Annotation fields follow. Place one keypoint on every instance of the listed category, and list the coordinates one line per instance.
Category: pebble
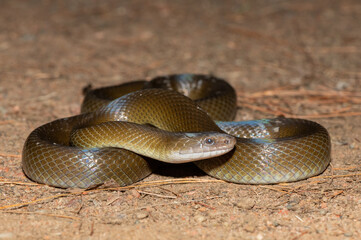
(259, 236)
(249, 224)
(291, 206)
(199, 218)
(276, 224)
(341, 85)
(249, 227)
(141, 215)
(202, 209)
(295, 199)
(246, 204)
(3, 110)
(340, 143)
(135, 193)
(323, 212)
(121, 216)
(354, 145)
(5, 235)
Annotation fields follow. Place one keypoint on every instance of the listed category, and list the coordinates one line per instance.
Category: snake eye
(209, 141)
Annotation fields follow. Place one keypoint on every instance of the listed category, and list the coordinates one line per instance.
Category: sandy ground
(50, 50)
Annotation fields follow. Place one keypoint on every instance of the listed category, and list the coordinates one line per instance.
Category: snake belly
(266, 151)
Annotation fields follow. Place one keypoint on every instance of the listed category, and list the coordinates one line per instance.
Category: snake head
(197, 146)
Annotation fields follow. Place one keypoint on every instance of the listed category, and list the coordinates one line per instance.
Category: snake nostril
(226, 141)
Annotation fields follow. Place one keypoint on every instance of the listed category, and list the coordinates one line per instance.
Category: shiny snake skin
(266, 151)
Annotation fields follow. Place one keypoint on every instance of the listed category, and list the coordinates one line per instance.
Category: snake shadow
(182, 170)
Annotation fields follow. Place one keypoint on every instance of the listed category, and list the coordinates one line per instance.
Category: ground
(292, 58)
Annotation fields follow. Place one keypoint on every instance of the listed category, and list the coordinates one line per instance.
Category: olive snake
(175, 118)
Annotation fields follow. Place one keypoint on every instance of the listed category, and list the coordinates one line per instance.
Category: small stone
(246, 204)
(354, 145)
(276, 224)
(348, 234)
(340, 143)
(249, 224)
(121, 216)
(295, 199)
(141, 215)
(202, 209)
(291, 205)
(226, 224)
(323, 212)
(341, 85)
(135, 193)
(199, 218)
(249, 227)
(6, 235)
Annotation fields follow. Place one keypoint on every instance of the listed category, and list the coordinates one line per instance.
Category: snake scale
(175, 118)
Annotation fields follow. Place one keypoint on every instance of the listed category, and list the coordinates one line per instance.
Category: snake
(124, 130)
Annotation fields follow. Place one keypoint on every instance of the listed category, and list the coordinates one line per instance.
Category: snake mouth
(196, 156)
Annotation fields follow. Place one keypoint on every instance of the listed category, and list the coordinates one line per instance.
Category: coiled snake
(171, 119)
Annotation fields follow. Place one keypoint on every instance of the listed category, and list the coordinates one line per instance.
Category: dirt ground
(296, 58)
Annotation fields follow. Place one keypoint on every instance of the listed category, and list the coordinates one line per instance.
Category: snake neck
(153, 142)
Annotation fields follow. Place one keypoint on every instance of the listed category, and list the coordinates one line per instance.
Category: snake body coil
(151, 119)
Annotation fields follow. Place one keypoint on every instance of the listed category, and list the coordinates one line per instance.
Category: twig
(338, 176)
(326, 115)
(274, 189)
(338, 49)
(10, 155)
(300, 93)
(205, 205)
(45, 214)
(19, 183)
(261, 109)
(164, 189)
(6, 122)
(37, 200)
(346, 168)
(157, 195)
